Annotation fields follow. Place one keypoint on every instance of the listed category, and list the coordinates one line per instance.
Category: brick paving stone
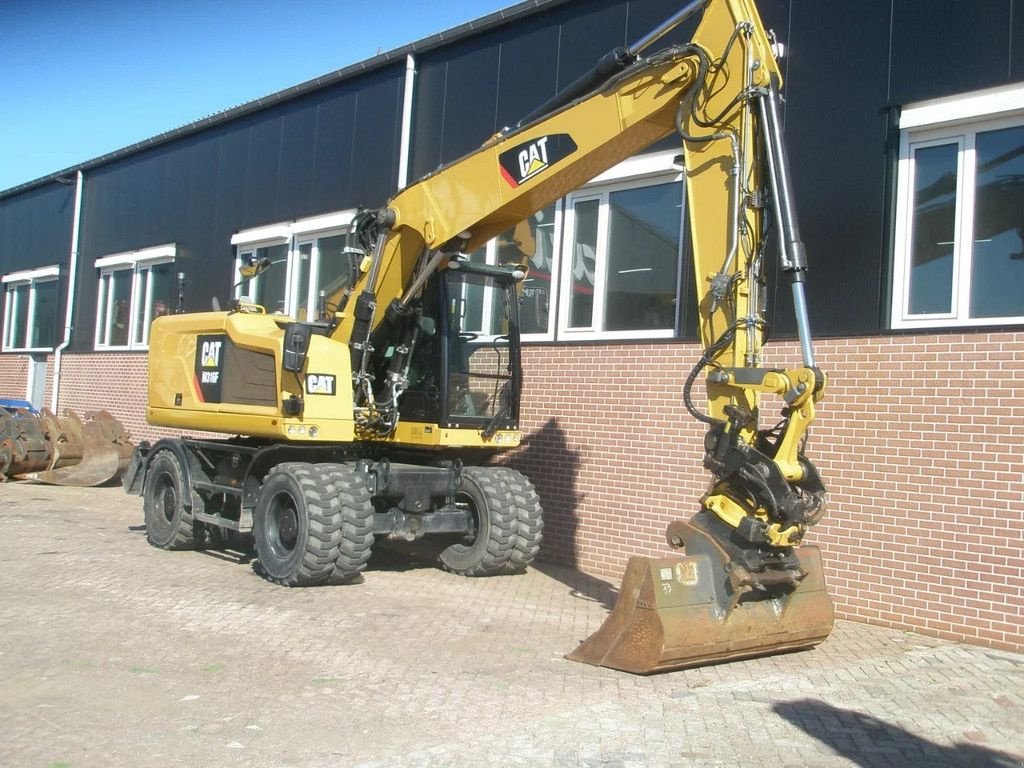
(114, 653)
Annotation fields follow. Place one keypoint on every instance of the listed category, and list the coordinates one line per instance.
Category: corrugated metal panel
(332, 150)
(942, 47)
(835, 132)
(35, 228)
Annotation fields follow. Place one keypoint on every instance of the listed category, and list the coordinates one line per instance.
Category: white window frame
(247, 290)
(311, 239)
(637, 173)
(139, 263)
(31, 278)
(640, 171)
(491, 258)
(294, 235)
(953, 120)
(557, 228)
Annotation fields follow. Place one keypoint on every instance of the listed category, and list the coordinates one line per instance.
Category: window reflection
(338, 268)
(643, 257)
(934, 229)
(532, 244)
(270, 285)
(17, 301)
(997, 267)
(583, 264)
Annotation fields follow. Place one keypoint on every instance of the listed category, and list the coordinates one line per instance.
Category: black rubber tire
(297, 525)
(529, 520)
(356, 523)
(168, 522)
(487, 496)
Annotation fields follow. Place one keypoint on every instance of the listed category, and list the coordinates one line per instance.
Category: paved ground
(115, 653)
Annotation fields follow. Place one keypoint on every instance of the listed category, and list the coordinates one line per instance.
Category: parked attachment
(61, 451)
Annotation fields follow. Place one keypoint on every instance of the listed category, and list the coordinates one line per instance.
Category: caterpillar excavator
(380, 417)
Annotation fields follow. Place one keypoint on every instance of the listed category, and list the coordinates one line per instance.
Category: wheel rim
(284, 525)
(166, 497)
(466, 502)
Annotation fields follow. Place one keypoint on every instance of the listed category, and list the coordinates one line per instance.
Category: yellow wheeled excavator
(380, 417)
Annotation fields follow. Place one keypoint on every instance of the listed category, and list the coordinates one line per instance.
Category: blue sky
(81, 78)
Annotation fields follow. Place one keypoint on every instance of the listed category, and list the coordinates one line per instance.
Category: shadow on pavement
(868, 741)
(398, 555)
(581, 585)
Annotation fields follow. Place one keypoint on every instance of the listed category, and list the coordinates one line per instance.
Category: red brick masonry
(920, 440)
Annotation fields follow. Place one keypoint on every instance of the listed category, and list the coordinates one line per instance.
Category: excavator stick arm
(745, 586)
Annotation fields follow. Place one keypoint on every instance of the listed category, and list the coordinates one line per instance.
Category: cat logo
(320, 384)
(523, 162)
(209, 363)
(210, 356)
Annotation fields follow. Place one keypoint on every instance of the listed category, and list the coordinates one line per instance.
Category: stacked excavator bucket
(678, 612)
(62, 451)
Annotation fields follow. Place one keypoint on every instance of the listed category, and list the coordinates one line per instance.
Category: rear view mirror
(254, 267)
(296, 344)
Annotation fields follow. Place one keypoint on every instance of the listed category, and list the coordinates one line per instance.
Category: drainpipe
(406, 140)
(72, 277)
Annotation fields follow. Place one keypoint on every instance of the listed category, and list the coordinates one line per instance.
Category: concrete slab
(116, 653)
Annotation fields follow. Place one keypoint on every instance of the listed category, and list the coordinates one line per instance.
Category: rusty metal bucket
(88, 453)
(62, 451)
(678, 612)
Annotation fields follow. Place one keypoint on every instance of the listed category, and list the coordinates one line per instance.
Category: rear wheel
(168, 522)
(297, 525)
(488, 500)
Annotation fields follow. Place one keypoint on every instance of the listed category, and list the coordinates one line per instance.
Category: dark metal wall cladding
(839, 83)
(1017, 42)
(835, 87)
(35, 227)
(949, 46)
(35, 231)
(467, 91)
(333, 149)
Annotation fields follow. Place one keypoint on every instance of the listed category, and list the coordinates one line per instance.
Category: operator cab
(465, 368)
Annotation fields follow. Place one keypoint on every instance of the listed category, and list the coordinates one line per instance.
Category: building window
(960, 212)
(620, 273)
(326, 267)
(310, 264)
(30, 310)
(268, 288)
(135, 288)
(603, 262)
(533, 244)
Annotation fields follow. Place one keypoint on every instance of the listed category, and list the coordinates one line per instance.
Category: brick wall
(920, 440)
(114, 382)
(13, 376)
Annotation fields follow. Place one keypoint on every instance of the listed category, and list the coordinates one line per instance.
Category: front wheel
(297, 525)
(529, 520)
(486, 497)
(356, 517)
